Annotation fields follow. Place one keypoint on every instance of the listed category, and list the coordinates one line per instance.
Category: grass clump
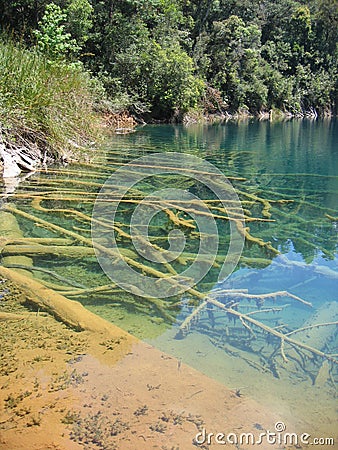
(45, 105)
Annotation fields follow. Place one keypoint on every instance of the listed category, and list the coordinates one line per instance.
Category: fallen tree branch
(70, 312)
(272, 331)
(49, 272)
(309, 327)
(10, 316)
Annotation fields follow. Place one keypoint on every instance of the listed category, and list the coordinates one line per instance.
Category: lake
(285, 176)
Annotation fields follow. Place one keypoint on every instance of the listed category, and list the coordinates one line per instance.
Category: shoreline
(97, 356)
(61, 389)
(23, 160)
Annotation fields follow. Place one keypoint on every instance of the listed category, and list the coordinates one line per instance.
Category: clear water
(295, 161)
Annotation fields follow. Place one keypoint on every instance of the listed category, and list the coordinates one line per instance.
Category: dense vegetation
(161, 58)
(43, 104)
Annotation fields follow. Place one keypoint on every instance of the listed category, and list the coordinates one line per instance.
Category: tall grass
(51, 105)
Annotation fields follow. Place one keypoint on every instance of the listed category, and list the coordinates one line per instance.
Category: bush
(49, 104)
(161, 77)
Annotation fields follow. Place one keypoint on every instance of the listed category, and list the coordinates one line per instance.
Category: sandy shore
(66, 390)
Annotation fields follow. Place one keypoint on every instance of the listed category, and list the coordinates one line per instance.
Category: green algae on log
(9, 229)
(68, 311)
(61, 198)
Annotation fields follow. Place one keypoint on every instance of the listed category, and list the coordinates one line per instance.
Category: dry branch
(263, 297)
(49, 272)
(309, 327)
(184, 327)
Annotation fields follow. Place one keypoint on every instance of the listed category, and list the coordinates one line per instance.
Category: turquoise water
(295, 161)
(293, 165)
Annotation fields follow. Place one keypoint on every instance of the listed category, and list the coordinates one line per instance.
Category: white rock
(10, 167)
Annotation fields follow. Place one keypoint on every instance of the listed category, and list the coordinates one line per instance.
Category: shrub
(48, 104)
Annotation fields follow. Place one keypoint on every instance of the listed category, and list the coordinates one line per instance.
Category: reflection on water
(292, 165)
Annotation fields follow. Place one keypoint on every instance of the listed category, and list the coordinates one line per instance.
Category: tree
(157, 55)
(79, 20)
(234, 68)
(51, 37)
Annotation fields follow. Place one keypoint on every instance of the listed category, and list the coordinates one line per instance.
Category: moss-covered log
(68, 311)
(53, 250)
(9, 229)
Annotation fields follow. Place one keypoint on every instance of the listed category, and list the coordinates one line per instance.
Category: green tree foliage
(235, 63)
(156, 57)
(79, 20)
(22, 17)
(140, 52)
(52, 40)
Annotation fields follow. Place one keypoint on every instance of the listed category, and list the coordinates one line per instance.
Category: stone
(10, 168)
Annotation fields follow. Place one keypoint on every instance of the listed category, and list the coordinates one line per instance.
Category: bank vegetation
(64, 63)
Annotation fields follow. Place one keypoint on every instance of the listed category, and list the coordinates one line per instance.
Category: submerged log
(70, 251)
(70, 312)
(26, 240)
(316, 330)
(248, 322)
(49, 272)
(283, 337)
(9, 229)
(319, 330)
(55, 250)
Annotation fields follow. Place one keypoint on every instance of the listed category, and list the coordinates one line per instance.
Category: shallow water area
(291, 165)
